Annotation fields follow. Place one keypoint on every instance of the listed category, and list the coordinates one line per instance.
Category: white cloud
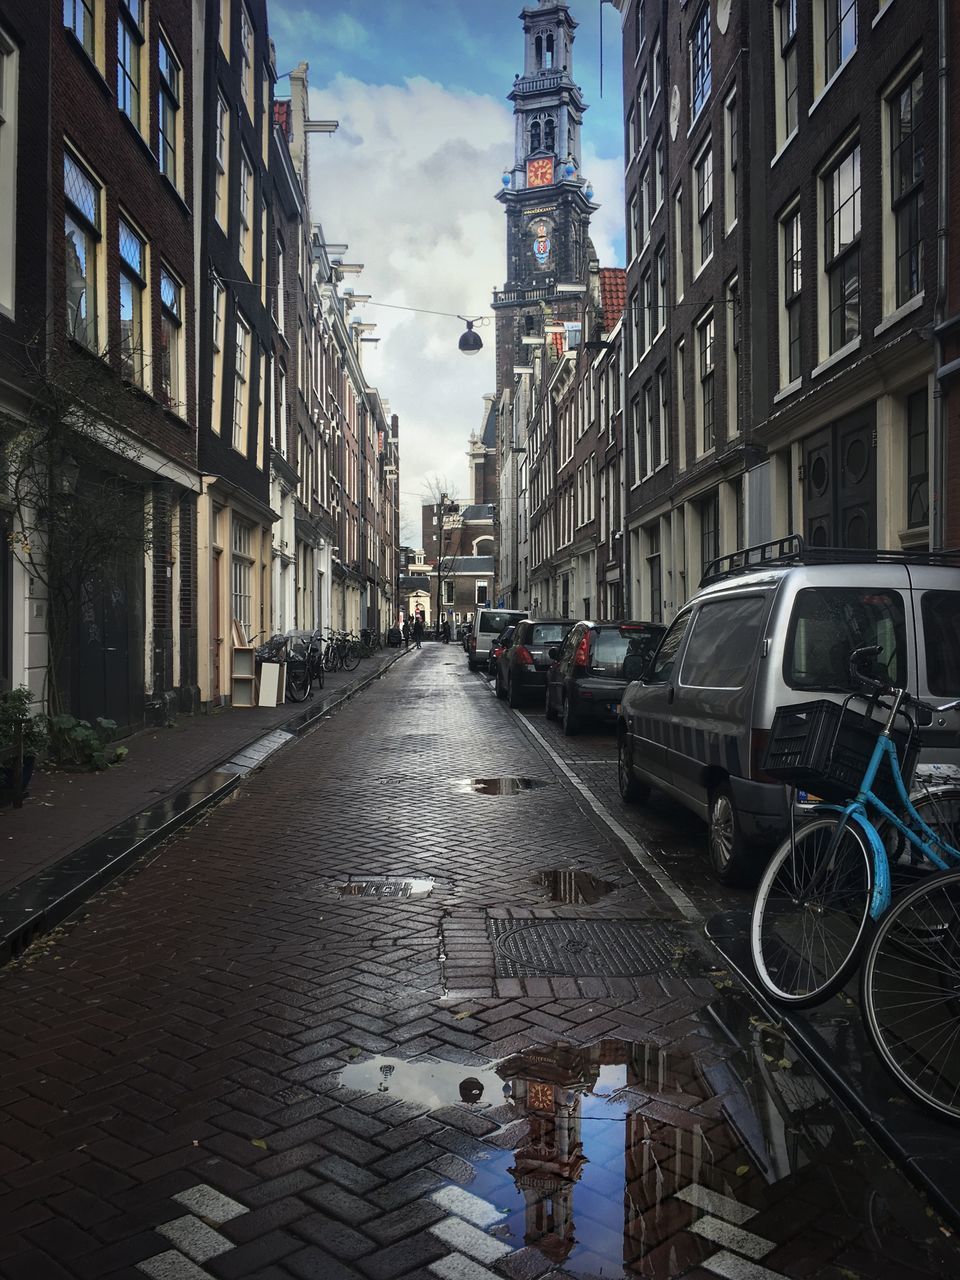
(409, 182)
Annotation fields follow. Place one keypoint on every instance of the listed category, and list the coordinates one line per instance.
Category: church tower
(547, 202)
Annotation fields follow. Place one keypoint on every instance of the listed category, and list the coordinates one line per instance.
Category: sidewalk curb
(36, 905)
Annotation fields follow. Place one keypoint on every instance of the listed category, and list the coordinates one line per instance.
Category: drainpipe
(938, 531)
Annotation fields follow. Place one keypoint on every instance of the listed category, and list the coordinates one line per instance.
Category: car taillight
(524, 654)
(759, 740)
(582, 657)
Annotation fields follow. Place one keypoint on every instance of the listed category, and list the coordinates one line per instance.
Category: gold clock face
(539, 172)
(539, 1096)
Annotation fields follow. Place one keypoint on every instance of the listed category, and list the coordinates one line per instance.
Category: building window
(633, 228)
(681, 406)
(242, 565)
(663, 389)
(219, 301)
(631, 135)
(246, 56)
(82, 240)
(648, 318)
(705, 372)
(906, 146)
(654, 574)
(129, 46)
(634, 329)
(9, 90)
(133, 284)
(787, 106)
(246, 214)
(792, 281)
(658, 174)
(842, 247)
(840, 33)
(732, 150)
(646, 205)
(678, 241)
(703, 233)
(700, 69)
(918, 462)
(171, 341)
(279, 309)
(481, 594)
(643, 112)
(655, 71)
(660, 304)
(241, 364)
(709, 530)
(222, 160)
(80, 17)
(636, 424)
(649, 430)
(169, 110)
(640, 34)
(733, 357)
(281, 434)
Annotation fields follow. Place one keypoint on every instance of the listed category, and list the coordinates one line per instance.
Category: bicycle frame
(857, 810)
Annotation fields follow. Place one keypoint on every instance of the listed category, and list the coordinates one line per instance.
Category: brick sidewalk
(66, 810)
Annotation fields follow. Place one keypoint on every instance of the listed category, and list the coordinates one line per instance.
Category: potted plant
(23, 737)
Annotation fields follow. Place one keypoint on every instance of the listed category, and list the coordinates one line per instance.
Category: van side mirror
(554, 653)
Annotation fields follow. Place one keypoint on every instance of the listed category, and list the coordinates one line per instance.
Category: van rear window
(828, 623)
(940, 611)
(495, 621)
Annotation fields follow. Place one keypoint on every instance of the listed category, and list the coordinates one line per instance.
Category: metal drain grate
(580, 948)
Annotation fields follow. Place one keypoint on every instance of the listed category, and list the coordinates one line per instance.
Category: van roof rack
(792, 549)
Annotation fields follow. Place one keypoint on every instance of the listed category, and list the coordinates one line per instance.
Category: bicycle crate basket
(824, 748)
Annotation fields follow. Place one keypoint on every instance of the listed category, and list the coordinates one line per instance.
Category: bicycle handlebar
(879, 689)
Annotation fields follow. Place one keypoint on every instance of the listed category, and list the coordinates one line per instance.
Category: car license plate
(807, 797)
(615, 708)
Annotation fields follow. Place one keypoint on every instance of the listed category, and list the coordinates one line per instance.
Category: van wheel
(734, 862)
(549, 710)
(570, 722)
(632, 791)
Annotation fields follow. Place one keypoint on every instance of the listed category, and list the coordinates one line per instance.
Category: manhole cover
(580, 948)
(386, 888)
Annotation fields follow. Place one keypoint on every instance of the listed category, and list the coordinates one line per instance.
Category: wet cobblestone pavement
(295, 1043)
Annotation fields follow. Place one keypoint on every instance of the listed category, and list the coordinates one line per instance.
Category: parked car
(487, 625)
(463, 634)
(522, 667)
(773, 626)
(497, 648)
(394, 637)
(590, 671)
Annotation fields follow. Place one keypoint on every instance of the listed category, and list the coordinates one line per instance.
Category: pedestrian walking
(418, 631)
(445, 632)
(406, 633)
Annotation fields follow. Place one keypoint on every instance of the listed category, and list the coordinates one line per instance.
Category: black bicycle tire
(351, 657)
(764, 963)
(925, 951)
(298, 686)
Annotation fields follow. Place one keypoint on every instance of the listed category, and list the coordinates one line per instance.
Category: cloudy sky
(409, 179)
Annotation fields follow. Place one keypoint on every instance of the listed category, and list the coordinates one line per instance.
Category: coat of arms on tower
(541, 242)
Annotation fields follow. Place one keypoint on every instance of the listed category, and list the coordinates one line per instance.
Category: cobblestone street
(407, 1005)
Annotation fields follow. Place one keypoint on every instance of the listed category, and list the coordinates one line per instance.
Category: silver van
(487, 625)
(771, 626)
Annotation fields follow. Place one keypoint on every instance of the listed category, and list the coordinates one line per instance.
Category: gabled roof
(489, 437)
(468, 564)
(613, 295)
(482, 511)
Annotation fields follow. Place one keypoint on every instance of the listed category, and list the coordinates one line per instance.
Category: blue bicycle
(828, 881)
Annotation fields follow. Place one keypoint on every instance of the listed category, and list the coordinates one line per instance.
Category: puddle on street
(378, 887)
(574, 886)
(620, 1159)
(496, 786)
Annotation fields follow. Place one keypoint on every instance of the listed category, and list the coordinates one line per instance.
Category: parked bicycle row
(306, 656)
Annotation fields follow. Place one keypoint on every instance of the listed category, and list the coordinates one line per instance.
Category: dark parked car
(498, 646)
(522, 667)
(592, 669)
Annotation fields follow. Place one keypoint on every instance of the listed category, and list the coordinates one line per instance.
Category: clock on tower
(540, 172)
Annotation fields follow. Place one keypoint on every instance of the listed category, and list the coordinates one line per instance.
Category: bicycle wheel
(939, 807)
(811, 911)
(298, 681)
(330, 658)
(351, 656)
(910, 992)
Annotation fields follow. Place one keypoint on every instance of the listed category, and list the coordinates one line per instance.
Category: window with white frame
(170, 364)
(648, 319)
(660, 289)
(80, 17)
(646, 205)
(219, 305)
(656, 72)
(918, 461)
(640, 34)
(242, 574)
(678, 242)
(280, 432)
(634, 309)
(785, 32)
(133, 287)
(636, 432)
(703, 230)
(643, 113)
(241, 366)
(657, 174)
(224, 28)
(130, 47)
(221, 162)
(731, 148)
(279, 306)
(246, 57)
(633, 228)
(246, 214)
(733, 356)
(663, 417)
(700, 60)
(839, 33)
(81, 224)
(681, 367)
(649, 430)
(705, 385)
(654, 605)
(9, 91)
(168, 108)
(841, 205)
(906, 183)
(709, 512)
(791, 242)
(631, 138)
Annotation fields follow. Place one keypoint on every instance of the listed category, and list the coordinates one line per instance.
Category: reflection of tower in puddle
(547, 1086)
(660, 1158)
